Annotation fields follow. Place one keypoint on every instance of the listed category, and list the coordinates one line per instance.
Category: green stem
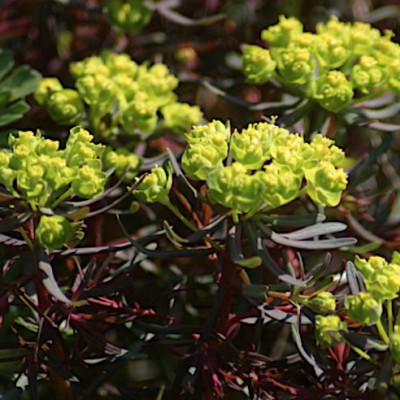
(361, 353)
(390, 317)
(382, 331)
(181, 217)
(65, 195)
(26, 238)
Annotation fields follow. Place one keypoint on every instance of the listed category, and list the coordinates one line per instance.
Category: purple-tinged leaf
(180, 19)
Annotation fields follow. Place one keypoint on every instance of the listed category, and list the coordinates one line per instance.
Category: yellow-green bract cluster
(114, 85)
(382, 282)
(270, 166)
(128, 16)
(328, 65)
(38, 171)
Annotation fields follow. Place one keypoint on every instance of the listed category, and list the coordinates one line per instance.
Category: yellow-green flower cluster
(331, 66)
(36, 170)
(121, 97)
(128, 16)
(270, 166)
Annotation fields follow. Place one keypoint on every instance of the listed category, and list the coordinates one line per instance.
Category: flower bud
(54, 231)
(282, 33)
(363, 308)
(324, 149)
(65, 106)
(46, 87)
(258, 66)
(128, 16)
(332, 91)
(120, 64)
(89, 66)
(384, 283)
(97, 90)
(325, 183)
(327, 330)
(368, 267)
(155, 186)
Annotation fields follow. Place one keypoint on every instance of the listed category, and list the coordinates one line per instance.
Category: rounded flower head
(367, 74)
(323, 302)
(140, 116)
(330, 51)
(363, 308)
(45, 88)
(327, 330)
(155, 186)
(119, 64)
(368, 267)
(258, 66)
(323, 148)
(234, 188)
(325, 183)
(181, 116)
(332, 91)
(279, 184)
(65, 106)
(97, 90)
(125, 163)
(295, 65)
(251, 146)
(90, 182)
(89, 66)
(334, 27)
(283, 32)
(384, 283)
(128, 16)
(54, 231)
(362, 37)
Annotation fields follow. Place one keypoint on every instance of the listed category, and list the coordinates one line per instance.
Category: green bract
(269, 166)
(128, 16)
(53, 232)
(363, 308)
(325, 183)
(327, 330)
(258, 66)
(155, 186)
(330, 51)
(45, 88)
(332, 91)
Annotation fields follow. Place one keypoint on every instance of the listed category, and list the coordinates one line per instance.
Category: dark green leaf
(269, 313)
(7, 225)
(6, 62)
(12, 394)
(23, 81)
(364, 342)
(235, 249)
(13, 112)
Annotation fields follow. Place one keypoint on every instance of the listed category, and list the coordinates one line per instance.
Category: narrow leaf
(48, 278)
(7, 225)
(316, 230)
(364, 342)
(180, 19)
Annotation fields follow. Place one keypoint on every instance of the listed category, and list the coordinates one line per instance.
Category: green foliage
(15, 84)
